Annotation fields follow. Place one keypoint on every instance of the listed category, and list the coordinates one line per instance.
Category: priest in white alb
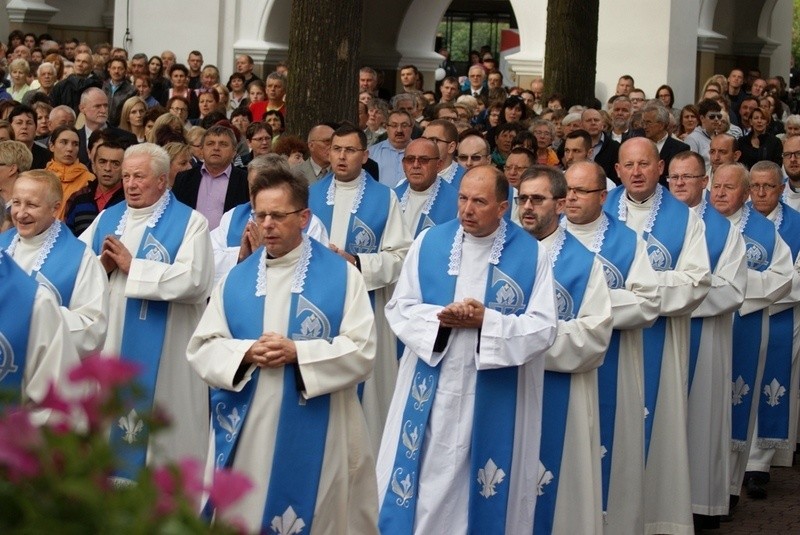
(475, 308)
(157, 253)
(570, 486)
(365, 226)
(46, 249)
(287, 337)
(677, 251)
(635, 301)
(711, 346)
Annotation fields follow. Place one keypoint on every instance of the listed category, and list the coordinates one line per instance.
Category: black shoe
(705, 522)
(732, 501)
(755, 490)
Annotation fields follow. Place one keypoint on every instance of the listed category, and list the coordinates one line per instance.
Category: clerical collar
(634, 201)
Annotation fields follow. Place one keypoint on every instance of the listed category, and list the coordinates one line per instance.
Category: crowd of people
(480, 309)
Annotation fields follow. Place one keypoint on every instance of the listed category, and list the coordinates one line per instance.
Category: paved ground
(779, 513)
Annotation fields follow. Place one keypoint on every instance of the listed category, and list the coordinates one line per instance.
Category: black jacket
(187, 187)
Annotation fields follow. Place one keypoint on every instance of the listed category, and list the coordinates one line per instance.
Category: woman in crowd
(58, 63)
(768, 104)
(42, 110)
(207, 102)
(690, 118)
(545, 133)
(759, 144)
(132, 117)
(180, 159)
(377, 115)
(19, 70)
(237, 92)
(72, 173)
(275, 119)
(792, 125)
(179, 107)
(294, 148)
(667, 97)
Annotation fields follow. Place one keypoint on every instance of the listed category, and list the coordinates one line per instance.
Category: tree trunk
(570, 58)
(324, 42)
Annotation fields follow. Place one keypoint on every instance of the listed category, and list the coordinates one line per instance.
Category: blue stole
(145, 325)
(455, 179)
(239, 218)
(16, 311)
(616, 256)
(759, 237)
(571, 271)
(316, 313)
(717, 230)
(508, 290)
(366, 226)
(664, 246)
(445, 206)
(60, 269)
(773, 410)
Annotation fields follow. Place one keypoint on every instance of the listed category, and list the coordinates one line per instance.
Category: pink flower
(188, 474)
(191, 471)
(228, 487)
(164, 481)
(53, 400)
(108, 372)
(19, 440)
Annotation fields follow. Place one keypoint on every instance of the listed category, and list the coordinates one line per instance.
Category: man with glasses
(365, 226)
(284, 341)
(389, 153)
(769, 279)
(699, 140)
(776, 422)
(569, 493)
(710, 353)
(638, 99)
(425, 198)
(677, 251)
(444, 133)
(318, 163)
(791, 166)
(475, 308)
(635, 302)
(217, 185)
(473, 150)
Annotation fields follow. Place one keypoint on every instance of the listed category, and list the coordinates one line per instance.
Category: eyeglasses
(323, 141)
(763, 187)
(714, 116)
(682, 178)
(398, 125)
(436, 139)
(179, 110)
(791, 155)
(535, 200)
(583, 192)
(349, 151)
(261, 139)
(515, 168)
(463, 158)
(275, 216)
(422, 160)
(636, 99)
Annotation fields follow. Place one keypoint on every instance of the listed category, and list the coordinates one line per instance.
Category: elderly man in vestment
(35, 347)
(635, 304)
(569, 489)
(46, 249)
(157, 254)
(286, 338)
(677, 251)
(425, 197)
(710, 351)
(236, 236)
(475, 308)
(776, 422)
(769, 279)
(365, 226)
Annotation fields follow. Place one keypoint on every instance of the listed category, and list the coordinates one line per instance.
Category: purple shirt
(211, 195)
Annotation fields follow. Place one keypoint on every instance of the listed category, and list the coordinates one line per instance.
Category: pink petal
(191, 471)
(228, 488)
(53, 400)
(108, 372)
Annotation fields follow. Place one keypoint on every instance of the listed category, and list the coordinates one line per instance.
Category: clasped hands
(467, 314)
(271, 350)
(114, 254)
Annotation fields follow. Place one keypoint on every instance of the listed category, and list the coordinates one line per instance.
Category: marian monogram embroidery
(364, 240)
(613, 276)
(740, 390)
(288, 523)
(774, 391)
(132, 425)
(755, 253)
(155, 251)
(659, 256)
(6, 358)
(403, 488)
(490, 476)
(564, 302)
(315, 325)
(421, 390)
(509, 297)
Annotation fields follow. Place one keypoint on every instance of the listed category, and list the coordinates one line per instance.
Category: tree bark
(570, 59)
(324, 43)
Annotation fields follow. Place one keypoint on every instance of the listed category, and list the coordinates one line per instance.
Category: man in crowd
(389, 153)
(677, 251)
(635, 304)
(604, 149)
(475, 307)
(477, 77)
(317, 165)
(157, 254)
(776, 422)
(655, 120)
(445, 135)
(69, 90)
(769, 278)
(473, 150)
(118, 89)
(195, 65)
(45, 248)
(314, 343)
(94, 106)
(621, 118)
(722, 150)
(638, 99)
(365, 226)
(791, 165)
(425, 198)
(244, 66)
(449, 89)
(710, 353)
(569, 498)
(216, 186)
(699, 140)
(624, 85)
(409, 76)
